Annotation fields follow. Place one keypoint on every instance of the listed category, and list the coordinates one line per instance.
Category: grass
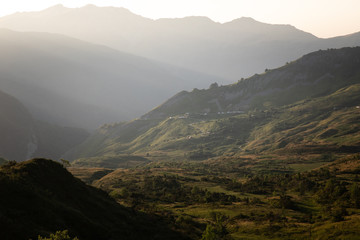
(296, 131)
(303, 167)
(247, 220)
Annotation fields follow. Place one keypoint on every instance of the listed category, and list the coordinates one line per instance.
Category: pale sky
(323, 18)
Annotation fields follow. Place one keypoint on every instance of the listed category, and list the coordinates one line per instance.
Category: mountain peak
(56, 7)
(89, 6)
(187, 20)
(247, 19)
(55, 10)
(111, 11)
(199, 18)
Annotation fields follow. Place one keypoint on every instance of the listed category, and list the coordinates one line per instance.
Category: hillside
(73, 83)
(40, 196)
(230, 50)
(23, 137)
(309, 105)
(315, 74)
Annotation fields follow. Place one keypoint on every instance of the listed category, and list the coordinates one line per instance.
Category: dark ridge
(40, 196)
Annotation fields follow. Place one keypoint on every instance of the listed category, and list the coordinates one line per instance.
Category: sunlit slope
(326, 124)
(321, 125)
(316, 113)
(315, 74)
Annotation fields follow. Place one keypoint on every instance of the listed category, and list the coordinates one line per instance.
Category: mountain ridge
(230, 50)
(290, 76)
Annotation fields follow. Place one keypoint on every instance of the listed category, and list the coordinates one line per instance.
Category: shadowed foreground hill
(40, 196)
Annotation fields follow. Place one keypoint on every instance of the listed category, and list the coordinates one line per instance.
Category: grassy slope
(244, 220)
(326, 122)
(315, 74)
(306, 106)
(320, 125)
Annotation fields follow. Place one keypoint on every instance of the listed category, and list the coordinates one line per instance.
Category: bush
(59, 235)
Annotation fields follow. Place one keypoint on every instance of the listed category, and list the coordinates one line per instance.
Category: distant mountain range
(73, 83)
(23, 137)
(231, 50)
(311, 104)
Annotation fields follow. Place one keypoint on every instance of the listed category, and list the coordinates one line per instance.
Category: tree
(214, 85)
(210, 233)
(59, 235)
(217, 230)
(355, 194)
(65, 163)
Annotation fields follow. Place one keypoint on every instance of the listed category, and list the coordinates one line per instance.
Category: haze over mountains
(70, 82)
(231, 50)
(74, 83)
(23, 137)
(189, 146)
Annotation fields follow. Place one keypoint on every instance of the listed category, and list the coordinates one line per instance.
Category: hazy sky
(323, 18)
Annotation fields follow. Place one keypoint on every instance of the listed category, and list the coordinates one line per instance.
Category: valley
(117, 126)
(284, 168)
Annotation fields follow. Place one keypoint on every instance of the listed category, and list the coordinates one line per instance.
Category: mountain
(230, 50)
(311, 104)
(69, 82)
(23, 137)
(40, 196)
(314, 74)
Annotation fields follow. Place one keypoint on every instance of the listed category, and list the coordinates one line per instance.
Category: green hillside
(40, 196)
(275, 156)
(324, 124)
(321, 125)
(308, 106)
(318, 73)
